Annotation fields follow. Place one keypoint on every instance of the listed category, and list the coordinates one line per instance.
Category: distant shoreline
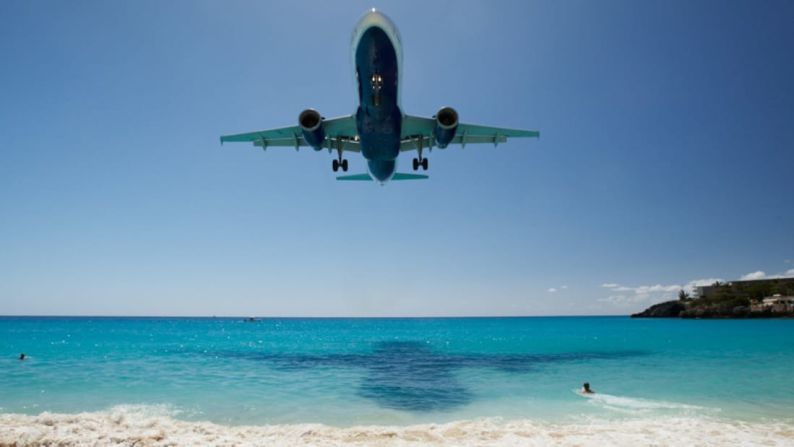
(687, 310)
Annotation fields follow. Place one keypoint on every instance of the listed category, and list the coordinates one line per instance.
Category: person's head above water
(586, 387)
(22, 356)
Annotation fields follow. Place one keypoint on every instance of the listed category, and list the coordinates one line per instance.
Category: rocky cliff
(668, 309)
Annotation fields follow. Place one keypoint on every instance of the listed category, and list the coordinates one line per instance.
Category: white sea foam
(156, 426)
(638, 406)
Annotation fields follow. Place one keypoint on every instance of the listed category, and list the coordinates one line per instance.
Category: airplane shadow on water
(410, 376)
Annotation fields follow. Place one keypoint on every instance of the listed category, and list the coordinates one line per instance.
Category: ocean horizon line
(320, 317)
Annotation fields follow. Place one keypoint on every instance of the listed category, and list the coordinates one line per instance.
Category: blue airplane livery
(379, 129)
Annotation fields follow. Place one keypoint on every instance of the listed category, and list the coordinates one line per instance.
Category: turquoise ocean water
(345, 372)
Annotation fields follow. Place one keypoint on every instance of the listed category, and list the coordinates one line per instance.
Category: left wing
(417, 130)
(340, 130)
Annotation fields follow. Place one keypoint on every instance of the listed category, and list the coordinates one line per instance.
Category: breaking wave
(157, 426)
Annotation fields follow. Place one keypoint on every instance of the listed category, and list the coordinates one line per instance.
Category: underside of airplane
(379, 130)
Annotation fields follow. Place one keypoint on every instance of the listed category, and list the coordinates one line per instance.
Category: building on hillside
(782, 304)
(752, 289)
(775, 304)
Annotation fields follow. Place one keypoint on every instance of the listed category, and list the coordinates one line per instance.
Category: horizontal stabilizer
(401, 176)
(368, 178)
(356, 177)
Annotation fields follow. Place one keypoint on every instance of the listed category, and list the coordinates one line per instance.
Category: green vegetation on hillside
(738, 299)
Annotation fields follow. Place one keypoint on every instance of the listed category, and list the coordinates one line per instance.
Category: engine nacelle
(446, 126)
(311, 124)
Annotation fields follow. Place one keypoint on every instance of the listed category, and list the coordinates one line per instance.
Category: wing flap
(483, 131)
(412, 144)
(299, 142)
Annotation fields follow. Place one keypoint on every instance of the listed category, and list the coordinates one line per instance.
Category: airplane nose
(371, 16)
(375, 18)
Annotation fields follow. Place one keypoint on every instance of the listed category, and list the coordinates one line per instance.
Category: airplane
(379, 130)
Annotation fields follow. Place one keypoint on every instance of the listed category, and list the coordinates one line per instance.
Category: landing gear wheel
(335, 165)
(424, 164)
(344, 165)
(416, 164)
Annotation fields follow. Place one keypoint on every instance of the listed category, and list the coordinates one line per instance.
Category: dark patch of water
(410, 376)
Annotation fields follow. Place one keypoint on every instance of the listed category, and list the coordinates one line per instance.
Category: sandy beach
(131, 425)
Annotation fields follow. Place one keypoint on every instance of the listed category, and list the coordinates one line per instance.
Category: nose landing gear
(377, 85)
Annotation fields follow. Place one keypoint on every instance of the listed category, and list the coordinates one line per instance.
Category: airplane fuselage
(377, 57)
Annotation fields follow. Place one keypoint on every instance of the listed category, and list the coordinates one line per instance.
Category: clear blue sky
(666, 156)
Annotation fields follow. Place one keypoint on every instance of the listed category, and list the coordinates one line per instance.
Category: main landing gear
(339, 162)
(420, 161)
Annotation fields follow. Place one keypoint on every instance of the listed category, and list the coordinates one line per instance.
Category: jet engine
(446, 125)
(311, 124)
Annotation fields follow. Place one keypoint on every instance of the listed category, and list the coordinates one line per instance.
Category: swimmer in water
(22, 356)
(586, 389)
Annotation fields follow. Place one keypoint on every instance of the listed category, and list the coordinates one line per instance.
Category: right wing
(417, 128)
(340, 130)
